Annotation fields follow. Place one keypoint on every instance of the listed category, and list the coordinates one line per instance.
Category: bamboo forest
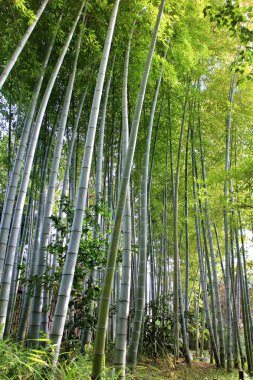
(126, 202)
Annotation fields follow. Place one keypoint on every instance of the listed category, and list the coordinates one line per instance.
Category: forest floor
(149, 370)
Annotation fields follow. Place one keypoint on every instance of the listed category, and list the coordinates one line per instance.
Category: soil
(163, 369)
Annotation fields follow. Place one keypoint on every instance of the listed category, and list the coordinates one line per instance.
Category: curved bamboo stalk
(76, 229)
(86, 333)
(21, 45)
(13, 240)
(15, 175)
(48, 206)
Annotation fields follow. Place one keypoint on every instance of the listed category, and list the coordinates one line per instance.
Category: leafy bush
(158, 326)
(17, 362)
(20, 363)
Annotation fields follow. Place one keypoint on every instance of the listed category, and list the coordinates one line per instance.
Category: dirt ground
(162, 370)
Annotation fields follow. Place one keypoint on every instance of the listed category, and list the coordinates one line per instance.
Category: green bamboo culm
(41, 264)
(11, 192)
(206, 311)
(226, 227)
(141, 280)
(220, 330)
(113, 249)
(17, 218)
(125, 286)
(175, 234)
(76, 229)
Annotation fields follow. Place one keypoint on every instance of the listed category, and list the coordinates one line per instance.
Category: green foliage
(21, 363)
(158, 329)
(227, 15)
(22, 8)
(238, 20)
(200, 48)
(91, 255)
(17, 362)
(91, 252)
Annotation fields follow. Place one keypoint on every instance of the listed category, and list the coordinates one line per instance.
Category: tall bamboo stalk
(112, 254)
(220, 329)
(175, 235)
(16, 171)
(13, 240)
(124, 297)
(200, 257)
(141, 286)
(76, 229)
(226, 229)
(49, 201)
(186, 214)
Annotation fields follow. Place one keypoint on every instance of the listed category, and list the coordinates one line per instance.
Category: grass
(19, 363)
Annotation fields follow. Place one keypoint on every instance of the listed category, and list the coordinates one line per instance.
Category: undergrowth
(18, 362)
(22, 363)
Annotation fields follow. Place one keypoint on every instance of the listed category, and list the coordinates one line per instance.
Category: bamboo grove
(126, 181)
